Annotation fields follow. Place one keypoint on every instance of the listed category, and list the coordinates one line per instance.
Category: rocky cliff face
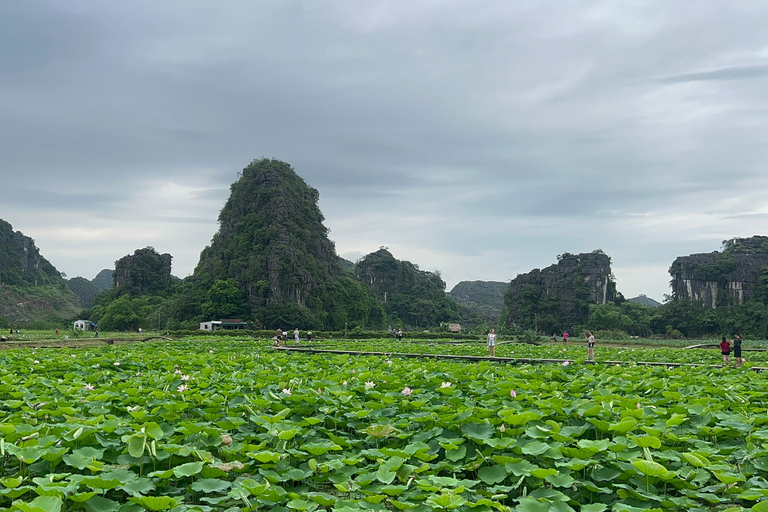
(558, 297)
(721, 278)
(31, 289)
(145, 272)
(482, 293)
(20, 261)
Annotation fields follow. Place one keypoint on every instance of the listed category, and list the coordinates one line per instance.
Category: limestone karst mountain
(272, 242)
(558, 297)
(31, 289)
(731, 276)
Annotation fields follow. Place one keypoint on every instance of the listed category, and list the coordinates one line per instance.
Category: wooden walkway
(77, 342)
(509, 360)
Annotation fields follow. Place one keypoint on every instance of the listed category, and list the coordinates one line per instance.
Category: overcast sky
(481, 139)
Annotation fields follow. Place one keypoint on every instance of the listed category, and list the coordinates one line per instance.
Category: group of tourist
(725, 347)
(281, 337)
(725, 350)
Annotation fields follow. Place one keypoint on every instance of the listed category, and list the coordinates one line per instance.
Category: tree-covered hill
(272, 255)
(415, 297)
(104, 280)
(84, 289)
(558, 297)
(32, 291)
(644, 300)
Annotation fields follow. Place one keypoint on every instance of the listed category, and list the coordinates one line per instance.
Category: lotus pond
(235, 425)
(614, 352)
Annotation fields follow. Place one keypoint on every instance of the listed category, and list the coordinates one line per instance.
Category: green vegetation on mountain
(645, 301)
(32, 291)
(410, 296)
(480, 302)
(84, 289)
(273, 245)
(142, 283)
(558, 297)
(103, 280)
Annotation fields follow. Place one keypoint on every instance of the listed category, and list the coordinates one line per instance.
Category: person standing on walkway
(590, 346)
(296, 336)
(725, 349)
(565, 337)
(492, 343)
(737, 350)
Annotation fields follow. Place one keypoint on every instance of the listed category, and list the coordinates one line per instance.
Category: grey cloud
(734, 73)
(525, 128)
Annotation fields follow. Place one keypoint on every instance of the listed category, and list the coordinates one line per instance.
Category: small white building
(83, 325)
(230, 324)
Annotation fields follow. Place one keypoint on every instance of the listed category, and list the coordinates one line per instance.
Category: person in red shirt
(725, 349)
(565, 337)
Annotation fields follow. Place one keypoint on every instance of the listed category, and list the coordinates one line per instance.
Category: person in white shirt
(492, 343)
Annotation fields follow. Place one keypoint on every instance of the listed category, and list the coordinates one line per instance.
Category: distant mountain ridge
(87, 290)
(645, 300)
(479, 301)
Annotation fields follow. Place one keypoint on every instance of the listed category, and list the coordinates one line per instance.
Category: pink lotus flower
(88, 387)
(502, 428)
(344, 383)
(185, 377)
(512, 393)
(369, 384)
(176, 371)
(116, 363)
(407, 391)
(566, 363)
(319, 390)
(445, 385)
(37, 362)
(287, 391)
(138, 374)
(639, 406)
(210, 351)
(182, 388)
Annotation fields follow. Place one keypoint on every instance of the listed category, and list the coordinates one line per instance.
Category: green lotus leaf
(492, 474)
(101, 504)
(650, 468)
(535, 448)
(11, 482)
(647, 442)
(626, 425)
(81, 497)
(697, 460)
(594, 507)
(478, 431)
(136, 445)
(40, 504)
(188, 469)
(542, 473)
(210, 485)
(388, 470)
(155, 503)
